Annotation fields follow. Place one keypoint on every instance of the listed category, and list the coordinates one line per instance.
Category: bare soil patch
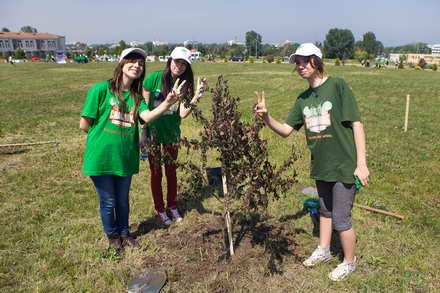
(195, 256)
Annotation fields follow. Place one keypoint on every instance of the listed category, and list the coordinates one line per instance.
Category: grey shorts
(336, 199)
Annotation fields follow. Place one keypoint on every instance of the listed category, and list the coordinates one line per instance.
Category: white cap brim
(128, 51)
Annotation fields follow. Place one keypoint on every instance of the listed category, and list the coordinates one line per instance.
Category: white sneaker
(163, 218)
(175, 215)
(343, 270)
(318, 256)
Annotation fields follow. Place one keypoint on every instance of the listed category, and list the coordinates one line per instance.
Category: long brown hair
(136, 85)
(317, 64)
(167, 80)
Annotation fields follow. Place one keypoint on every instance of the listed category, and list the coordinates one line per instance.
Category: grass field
(52, 240)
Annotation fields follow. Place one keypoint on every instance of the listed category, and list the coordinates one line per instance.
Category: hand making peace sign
(260, 108)
(201, 87)
(176, 92)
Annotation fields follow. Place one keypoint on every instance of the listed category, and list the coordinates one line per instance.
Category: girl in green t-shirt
(336, 139)
(110, 119)
(163, 135)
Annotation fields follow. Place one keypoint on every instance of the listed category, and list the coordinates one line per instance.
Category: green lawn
(52, 240)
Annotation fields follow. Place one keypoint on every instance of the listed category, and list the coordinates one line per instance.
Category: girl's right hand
(175, 92)
(260, 108)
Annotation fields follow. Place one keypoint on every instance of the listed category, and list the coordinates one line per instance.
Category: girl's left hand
(201, 87)
(260, 107)
(362, 173)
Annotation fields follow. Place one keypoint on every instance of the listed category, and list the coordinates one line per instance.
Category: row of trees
(338, 43)
(253, 47)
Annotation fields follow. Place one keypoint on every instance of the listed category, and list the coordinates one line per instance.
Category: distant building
(33, 44)
(135, 43)
(282, 44)
(195, 55)
(235, 42)
(429, 58)
(435, 49)
(395, 57)
(190, 42)
(77, 48)
(159, 43)
(164, 58)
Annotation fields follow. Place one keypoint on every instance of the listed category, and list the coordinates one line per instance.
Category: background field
(52, 239)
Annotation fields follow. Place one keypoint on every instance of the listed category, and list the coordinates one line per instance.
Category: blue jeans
(113, 201)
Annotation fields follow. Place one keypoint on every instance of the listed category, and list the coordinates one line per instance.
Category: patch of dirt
(195, 254)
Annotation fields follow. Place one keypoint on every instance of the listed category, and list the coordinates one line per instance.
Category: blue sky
(394, 22)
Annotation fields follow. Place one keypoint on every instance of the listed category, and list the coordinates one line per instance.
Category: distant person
(110, 119)
(162, 136)
(378, 64)
(10, 60)
(336, 139)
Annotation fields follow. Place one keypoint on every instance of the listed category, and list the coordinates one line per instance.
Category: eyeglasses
(302, 60)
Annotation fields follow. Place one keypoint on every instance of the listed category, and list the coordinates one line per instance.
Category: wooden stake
(379, 211)
(311, 191)
(228, 216)
(29, 143)
(406, 113)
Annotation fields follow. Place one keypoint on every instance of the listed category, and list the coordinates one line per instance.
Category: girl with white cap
(336, 139)
(110, 119)
(163, 135)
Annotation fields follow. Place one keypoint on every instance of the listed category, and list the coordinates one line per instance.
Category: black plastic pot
(214, 175)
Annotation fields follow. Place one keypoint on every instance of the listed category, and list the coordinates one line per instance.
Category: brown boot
(114, 241)
(130, 241)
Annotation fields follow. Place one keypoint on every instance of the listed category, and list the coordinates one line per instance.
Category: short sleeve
(295, 118)
(94, 97)
(349, 108)
(149, 81)
(143, 106)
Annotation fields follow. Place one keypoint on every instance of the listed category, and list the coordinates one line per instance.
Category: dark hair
(317, 64)
(136, 85)
(167, 80)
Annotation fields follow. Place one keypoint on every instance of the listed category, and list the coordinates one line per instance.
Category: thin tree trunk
(228, 216)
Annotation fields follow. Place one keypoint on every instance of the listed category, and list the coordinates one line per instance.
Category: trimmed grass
(52, 239)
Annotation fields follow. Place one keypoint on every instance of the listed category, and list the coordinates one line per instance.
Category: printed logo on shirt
(318, 118)
(118, 118)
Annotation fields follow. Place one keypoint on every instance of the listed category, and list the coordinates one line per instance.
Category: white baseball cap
(181, 53)
(306, 49)
(127, 51)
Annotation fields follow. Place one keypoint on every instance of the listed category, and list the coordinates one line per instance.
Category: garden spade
(147, 283)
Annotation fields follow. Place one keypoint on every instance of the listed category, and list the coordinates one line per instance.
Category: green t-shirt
(165, 129)
(112, 145)
(327, 111)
